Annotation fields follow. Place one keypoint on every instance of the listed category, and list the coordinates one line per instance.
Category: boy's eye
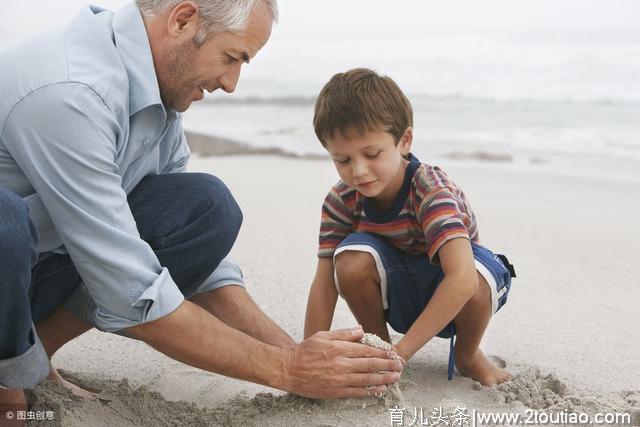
(341, 161)
(372, 155)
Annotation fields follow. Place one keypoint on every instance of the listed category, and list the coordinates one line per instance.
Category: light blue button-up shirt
(81, 123)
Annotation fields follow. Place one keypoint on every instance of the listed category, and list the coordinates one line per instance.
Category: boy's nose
(359, 169)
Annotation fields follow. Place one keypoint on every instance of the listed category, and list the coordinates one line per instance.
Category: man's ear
(184, 19)
(405, 141)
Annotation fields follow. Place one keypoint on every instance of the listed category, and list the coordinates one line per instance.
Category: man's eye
(231, 59)
(341, 161)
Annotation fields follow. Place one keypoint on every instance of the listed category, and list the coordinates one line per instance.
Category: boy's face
(371, 163)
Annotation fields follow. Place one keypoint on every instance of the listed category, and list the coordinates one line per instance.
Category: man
(94, 199)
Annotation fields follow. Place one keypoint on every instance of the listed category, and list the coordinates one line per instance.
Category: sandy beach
(569, 332)
(531, 107)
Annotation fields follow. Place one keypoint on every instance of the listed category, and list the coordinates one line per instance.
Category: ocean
(527, 85)
(529, 81)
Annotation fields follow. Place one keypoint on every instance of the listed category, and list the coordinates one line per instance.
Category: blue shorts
(407, 282)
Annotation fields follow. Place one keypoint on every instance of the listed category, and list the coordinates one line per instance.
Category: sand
(569, 333)
(393, 393)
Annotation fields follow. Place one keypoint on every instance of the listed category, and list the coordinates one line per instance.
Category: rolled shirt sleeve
(66, 139)
(226, 273)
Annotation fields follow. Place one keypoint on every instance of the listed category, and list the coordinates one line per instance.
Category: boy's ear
(405, 141)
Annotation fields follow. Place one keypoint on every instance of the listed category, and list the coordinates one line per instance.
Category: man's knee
(184, 206)
(216, 194)
(355, 269)
(18, 236)
(222, 217)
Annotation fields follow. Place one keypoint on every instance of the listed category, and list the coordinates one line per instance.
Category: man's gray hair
(218, 16)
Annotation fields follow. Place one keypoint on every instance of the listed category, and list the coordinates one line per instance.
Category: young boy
(398, 239)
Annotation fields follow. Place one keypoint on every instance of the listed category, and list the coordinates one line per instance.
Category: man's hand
(333, 364)
(327, 365)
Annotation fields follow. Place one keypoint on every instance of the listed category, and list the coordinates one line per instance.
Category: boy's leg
(366, 270)
(471, 322)
(359, 281)
(23, 363)
(411, 290)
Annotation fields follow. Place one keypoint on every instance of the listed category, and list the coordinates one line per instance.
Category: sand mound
(121, 404)
(118, 404)
(541, 391)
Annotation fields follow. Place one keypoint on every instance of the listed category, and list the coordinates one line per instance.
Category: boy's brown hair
(362, 100)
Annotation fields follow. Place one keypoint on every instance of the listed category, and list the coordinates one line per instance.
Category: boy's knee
(483, 291)
(354, 268)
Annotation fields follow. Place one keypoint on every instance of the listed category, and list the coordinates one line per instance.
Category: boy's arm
(458, 286)
(322, 299)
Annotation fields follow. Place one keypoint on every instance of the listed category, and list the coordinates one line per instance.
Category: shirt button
(145, 141)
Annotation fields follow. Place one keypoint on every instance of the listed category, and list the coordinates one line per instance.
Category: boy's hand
(400, 356)
(332, 364)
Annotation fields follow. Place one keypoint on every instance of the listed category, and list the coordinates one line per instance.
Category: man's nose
(229, 80)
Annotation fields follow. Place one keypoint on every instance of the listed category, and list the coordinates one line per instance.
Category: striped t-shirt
(428, 211)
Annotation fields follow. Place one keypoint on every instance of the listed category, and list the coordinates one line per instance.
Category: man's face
(189, 70)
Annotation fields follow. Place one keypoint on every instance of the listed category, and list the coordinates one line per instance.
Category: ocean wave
(259, 100)
(306, 100)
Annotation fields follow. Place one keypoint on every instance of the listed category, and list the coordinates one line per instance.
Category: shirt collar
(381, 217)
(132, 43)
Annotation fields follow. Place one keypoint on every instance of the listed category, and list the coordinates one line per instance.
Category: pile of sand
(120, 404)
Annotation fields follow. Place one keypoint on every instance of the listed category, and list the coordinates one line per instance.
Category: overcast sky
(19, 19)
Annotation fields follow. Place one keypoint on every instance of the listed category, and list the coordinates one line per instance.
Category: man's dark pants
(190, 220)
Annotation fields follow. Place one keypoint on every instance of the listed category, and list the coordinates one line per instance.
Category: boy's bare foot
(11, 401)
(481, 369)
(55, 376)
